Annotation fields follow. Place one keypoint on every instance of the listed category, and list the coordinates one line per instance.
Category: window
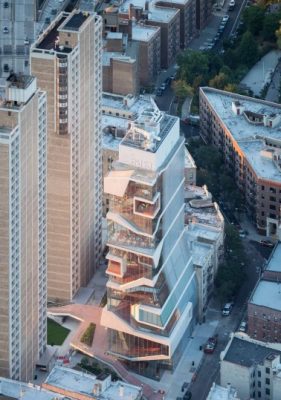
(272, 198)
(272, 207)
(267, 391)
(259, 374)
(267, 370)
(259, 384)
(259, 394)
(267, 381)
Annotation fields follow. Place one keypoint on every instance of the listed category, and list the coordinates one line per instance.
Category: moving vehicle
(210, 345)
(266, 243)
(243, 326)
(227, 309)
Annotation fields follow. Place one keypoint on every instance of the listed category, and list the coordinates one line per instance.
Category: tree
(219, 81)
(182, 89)
(193, 64)
(278, 37)
(253, 19)
(248, 49)
(231, 87)
(270, 26)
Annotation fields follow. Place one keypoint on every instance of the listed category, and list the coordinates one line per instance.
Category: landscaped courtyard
(56, 334)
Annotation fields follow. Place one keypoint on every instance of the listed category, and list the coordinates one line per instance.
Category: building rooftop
(143, 33)
(247, 352)
(149, 130)
(267, 294)
(250, 129)
(75, 21)
(114, 35)
(108, 55)
(85, 384)
(158, 14)
(19, 81)
(201, 252)
(274, 262)
(25, 391)
(188, 160)
(49, 39)
(218, 392)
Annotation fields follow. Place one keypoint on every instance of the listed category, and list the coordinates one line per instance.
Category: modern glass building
(152, 284)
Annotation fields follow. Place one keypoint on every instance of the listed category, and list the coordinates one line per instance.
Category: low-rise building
(218, 392)
(252, 367)
(78, 385)
(205, 239)
(12, 389)
(264, 306)
(189, 169)
(247, 133)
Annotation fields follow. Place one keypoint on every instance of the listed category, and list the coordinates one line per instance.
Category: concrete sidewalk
(189, 363)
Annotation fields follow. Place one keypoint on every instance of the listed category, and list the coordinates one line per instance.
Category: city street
(209, 371)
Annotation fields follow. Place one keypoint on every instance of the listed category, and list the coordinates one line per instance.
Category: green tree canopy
(182, 89)
(192, 65)
(270, 26)
(219, 81)
(248, 49)
(253, 18)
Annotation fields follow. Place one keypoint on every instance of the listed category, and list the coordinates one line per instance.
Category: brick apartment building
(187, 9)
(203, 13)
(247, 133)
(264, 307)
(120, 69)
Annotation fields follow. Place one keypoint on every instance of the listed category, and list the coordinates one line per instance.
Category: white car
(225, 19)
(227, 309)
(243, 326)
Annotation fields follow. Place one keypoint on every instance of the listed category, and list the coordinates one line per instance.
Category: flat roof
(188, 160)
(20, 390)
(79, 382)
(114, 35)
(156, 13)
(267, 294)
(250, 137)
(247, 353)
(274, 263)
(76, 20)
(108, 55)
(218, 392)
(48, 41)
(143, 33)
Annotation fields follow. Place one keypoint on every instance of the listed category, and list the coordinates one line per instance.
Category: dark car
(184, 386)
(187, 395)
(47, 20)
(168, 81)
(54, 11)
(5, 4)
(159, 92)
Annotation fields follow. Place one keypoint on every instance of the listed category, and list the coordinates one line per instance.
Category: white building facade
(152, 283)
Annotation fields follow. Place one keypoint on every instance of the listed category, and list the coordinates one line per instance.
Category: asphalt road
(210, 368)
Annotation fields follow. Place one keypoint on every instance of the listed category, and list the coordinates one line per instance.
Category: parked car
(54, 11)
(184, 386)
(47, 20)
(163, 86)
(225, 19)
(266, 243)
(243, 327)
(173, 77)
(5, 4)
(227, 309)
(231, 5)
(210, 345)
(159, 92)
(5, 29)
(187, 395)
(168, 81)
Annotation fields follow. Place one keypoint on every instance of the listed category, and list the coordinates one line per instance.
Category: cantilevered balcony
(146, 208)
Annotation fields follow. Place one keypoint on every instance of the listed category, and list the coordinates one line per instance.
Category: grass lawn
(56, 333)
